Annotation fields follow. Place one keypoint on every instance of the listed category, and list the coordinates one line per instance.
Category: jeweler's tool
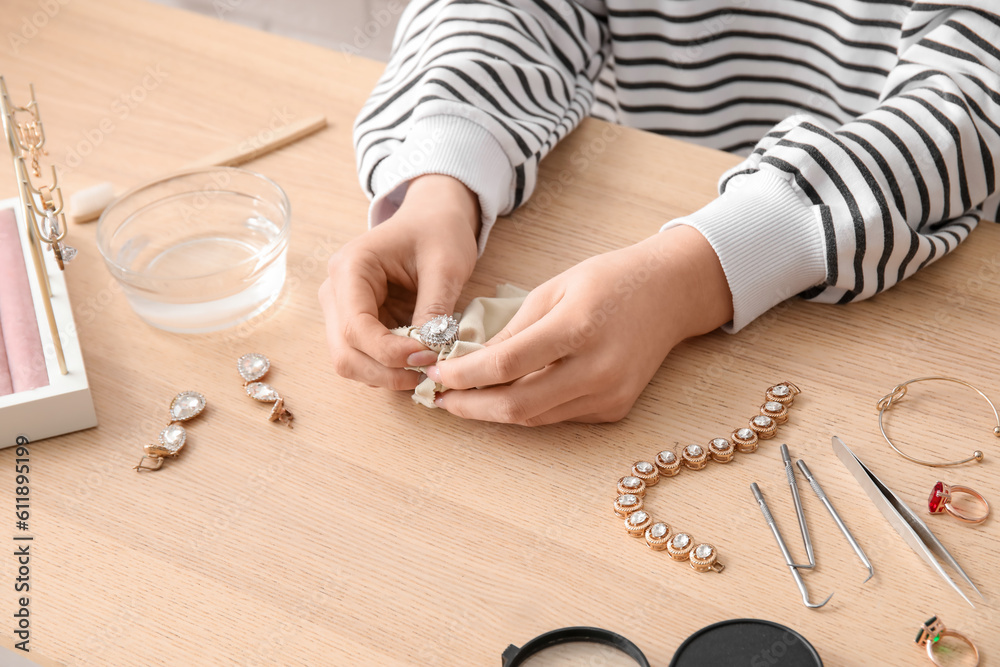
(797, 501)
(784, 549)
(906, 522)
(836, 517)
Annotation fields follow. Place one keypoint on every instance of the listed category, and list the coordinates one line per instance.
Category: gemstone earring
(186, 405)
(252, 367)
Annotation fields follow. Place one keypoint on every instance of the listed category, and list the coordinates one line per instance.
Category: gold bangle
(899, 391)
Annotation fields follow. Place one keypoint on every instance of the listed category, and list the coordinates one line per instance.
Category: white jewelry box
(65, 404)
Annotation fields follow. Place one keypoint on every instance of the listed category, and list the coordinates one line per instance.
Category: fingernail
(422, 358)
(439, 401)
(433, 373)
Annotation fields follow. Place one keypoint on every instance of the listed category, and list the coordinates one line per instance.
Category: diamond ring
(439, 333)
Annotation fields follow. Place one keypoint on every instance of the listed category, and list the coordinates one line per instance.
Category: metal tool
(797, 501)
(906, 522)
(784, 549)
(836, 517)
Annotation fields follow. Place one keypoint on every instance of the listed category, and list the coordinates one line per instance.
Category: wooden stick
(88, 204)
(248, 150)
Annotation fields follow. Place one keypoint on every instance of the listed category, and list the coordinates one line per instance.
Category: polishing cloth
(484, 318)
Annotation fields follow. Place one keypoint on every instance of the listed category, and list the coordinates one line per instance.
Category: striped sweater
(869, 127)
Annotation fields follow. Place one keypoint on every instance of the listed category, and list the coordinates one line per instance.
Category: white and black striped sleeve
(840, 214)
(480, 90)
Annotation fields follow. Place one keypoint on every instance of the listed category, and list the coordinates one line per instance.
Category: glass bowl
(199, 250)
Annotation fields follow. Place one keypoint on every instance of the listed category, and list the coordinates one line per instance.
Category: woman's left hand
(586, 343)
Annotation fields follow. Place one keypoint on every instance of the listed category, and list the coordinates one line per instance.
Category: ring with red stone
(931, 633)
(668, 463)
(783, 393)
(705, 558)
(776, 411)
(647, 472)
(657, 536)
(940, 502)
(627, 503)
(745, 440)
(633, 485)
(721, 450)
(763, 426)
(679, 546)
(637, 523)
(694, 457)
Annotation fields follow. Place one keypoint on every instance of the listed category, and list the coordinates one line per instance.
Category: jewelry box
(64, 405)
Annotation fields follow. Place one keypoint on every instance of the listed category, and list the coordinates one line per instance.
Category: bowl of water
(200, 250)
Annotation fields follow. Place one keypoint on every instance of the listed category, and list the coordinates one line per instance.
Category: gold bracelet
(680, 546)
(899, 391)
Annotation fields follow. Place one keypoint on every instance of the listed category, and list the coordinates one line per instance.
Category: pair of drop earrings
(189, 404)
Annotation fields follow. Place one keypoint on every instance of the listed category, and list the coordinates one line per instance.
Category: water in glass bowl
(196, 257)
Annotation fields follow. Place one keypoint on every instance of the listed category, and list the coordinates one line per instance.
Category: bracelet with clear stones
(632, 488)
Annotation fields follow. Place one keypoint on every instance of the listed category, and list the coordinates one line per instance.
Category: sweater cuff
(769, 240)
(449, 145)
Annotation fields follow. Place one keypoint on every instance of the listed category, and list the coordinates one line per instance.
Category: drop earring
(252, 367)
(185, 406)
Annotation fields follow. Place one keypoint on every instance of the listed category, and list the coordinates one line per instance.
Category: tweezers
(906, 522)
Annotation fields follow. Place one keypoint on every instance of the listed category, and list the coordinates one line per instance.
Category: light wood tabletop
(380, 532)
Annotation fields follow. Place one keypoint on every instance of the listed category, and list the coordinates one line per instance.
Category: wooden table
(379, 532)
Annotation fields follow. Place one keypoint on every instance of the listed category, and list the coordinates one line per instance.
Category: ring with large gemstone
(930, 635)
(940, 501)
(439, 333)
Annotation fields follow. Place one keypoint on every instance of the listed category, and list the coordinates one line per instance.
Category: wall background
(362, 27)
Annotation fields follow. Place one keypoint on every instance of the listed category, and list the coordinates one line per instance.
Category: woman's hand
(586, 343)
(428, 247)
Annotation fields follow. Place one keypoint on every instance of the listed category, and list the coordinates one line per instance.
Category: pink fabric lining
(5, 383)
(21, 340)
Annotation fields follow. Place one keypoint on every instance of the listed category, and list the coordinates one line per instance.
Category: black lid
(515, 656)
(737, 642)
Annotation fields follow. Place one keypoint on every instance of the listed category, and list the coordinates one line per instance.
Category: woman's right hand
(426, 250)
